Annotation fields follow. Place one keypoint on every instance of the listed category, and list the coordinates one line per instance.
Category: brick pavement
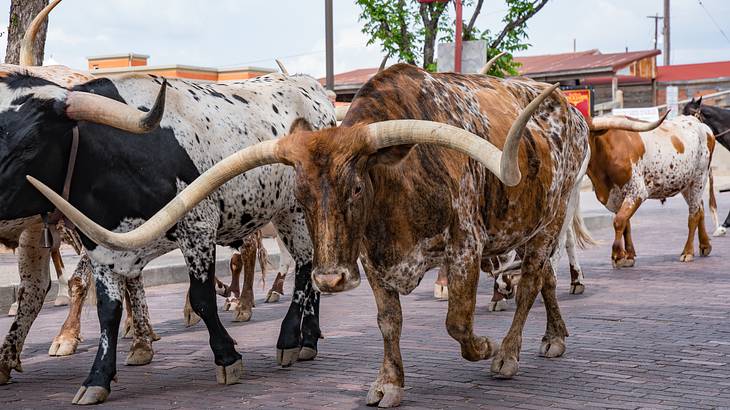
(653, 336)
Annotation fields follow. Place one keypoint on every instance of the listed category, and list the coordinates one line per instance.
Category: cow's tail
(713, 201)
(583, 237)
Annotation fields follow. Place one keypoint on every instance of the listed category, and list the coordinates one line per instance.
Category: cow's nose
(329, 282)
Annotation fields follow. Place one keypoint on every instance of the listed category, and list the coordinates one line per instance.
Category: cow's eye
(356, 190)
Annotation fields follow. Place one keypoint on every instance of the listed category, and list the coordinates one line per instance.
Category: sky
(232, 33)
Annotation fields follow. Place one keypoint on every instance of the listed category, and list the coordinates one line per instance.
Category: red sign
(582, 99)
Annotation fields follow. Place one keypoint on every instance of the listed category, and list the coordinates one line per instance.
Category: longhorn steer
(718, 119)
(389, 191)
(122, 179)
(629, 167)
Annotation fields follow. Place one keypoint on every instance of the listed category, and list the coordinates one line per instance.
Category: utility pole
(667, 43)
(328, 27)
(656, 28)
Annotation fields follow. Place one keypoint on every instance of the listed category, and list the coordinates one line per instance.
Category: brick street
(653, 336)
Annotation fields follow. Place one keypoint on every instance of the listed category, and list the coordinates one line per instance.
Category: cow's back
(678, 155)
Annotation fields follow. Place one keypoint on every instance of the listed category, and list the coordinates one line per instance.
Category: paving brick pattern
(654, 336)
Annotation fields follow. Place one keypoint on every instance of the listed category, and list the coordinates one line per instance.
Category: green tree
(410, 30)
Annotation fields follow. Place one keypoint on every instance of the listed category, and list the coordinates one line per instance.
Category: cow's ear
(391, 155)
(699, 102)
(299, 125)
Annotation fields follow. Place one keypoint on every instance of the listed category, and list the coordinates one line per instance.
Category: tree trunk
(22, 12)
(430, 14)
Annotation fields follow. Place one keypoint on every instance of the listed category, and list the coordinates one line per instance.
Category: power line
(713, 21)
(272, 58)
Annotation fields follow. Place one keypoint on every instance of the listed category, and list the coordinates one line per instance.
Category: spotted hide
(13, 225)
(406, 209)
(629, 167)
(122, 178)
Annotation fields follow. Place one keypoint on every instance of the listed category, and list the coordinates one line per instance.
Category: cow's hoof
(307, 353)
(63, 346)
(482, 348)
(231, 303)
(242, 315)
(720, 231)
(191, 319)
(706, 250)
(13, 309)
(497, 306)
(440, 292)
(229, 374)
(623, 263)
(61, 300)
(272, 297)
(287, 357)
(384, 395)
(140, 354)
(552, 347)
(90, 395)
(577, 289)
(504, 367)
(686, 257)
(4, 375)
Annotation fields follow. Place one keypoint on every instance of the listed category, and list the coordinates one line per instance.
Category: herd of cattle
(468, 173)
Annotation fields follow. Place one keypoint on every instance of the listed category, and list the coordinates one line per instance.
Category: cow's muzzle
(336, 279)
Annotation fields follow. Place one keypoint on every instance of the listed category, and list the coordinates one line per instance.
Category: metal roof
(582, 62)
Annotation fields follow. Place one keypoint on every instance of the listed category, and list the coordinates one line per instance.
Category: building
(634, 70)
(137, 63)
(694, 80)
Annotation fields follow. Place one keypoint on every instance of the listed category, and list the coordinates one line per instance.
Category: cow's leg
(128, 327)
(577, 286)
(198, 248)
(285, 263)
(62, 298)
(696, 217)
(34, 283)
(69, 337)
(300, 330)
(441, 287)
(499, 301)
(109, 290)
(619, 257)
(140, 353)
(387, 389)
(244, 306)
(705, 245)
(722, 229)
(629, 244)
(463, 275)
(536, 268)
(233, 293)
(553, 343)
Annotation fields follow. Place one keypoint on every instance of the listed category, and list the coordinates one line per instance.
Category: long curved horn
(341, 112)
(26, 44)
(490, 63)
(504, 164)
(281, 67)
(83, 106)
(260, 154)
(622, 123)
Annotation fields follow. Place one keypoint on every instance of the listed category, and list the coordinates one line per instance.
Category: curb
(154, 276)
